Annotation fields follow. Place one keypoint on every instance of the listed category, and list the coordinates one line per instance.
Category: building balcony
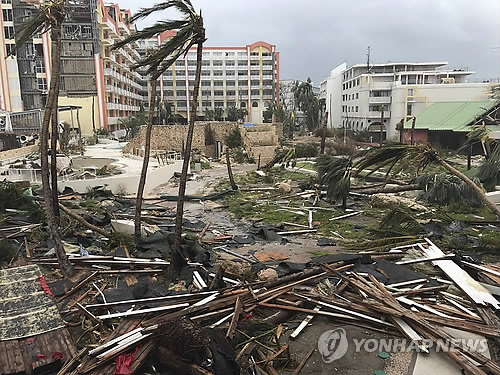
(376, 114)
(108, 41)
(267, 77)
(380, 99)
(267, 58)
(269, 87)
(254, 58)
(256, 87)
(113, 120)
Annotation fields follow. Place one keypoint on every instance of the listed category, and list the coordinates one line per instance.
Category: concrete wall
(118, 183)
(18, 152)
(85, 113)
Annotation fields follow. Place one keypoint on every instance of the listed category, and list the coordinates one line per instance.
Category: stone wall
(259, 139)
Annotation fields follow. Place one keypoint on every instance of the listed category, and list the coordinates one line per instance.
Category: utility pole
(381, 124)
(412, 140)
(368, 59)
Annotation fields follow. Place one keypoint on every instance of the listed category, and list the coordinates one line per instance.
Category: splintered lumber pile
(419, 309)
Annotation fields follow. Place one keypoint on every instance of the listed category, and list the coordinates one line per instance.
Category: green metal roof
(454, 116)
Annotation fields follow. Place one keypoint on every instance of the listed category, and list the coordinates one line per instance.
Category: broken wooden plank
(303, 324)
(238, 308)
(461, 278)
(304, 231)
(144, 311)
(304, 361)
(345, 216)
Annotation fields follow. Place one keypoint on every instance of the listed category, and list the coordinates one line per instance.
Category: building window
(217, 73)
(39, 66)
(205, 73)
(255, 92)
(6, 1)
(205, 83)
(7, 15)
(218, 83)
(180, 72)
(8, 32)
(356, 108)
(218, 54)
(42, 84)
(243, 105)
(409, 109)
(219, 104)
(217, 63)
(255, 104)
(230, 83)
(219, 93)
(230, 73)
(357, 95)
(10, 49)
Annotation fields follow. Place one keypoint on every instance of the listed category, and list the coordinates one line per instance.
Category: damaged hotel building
(100, 80)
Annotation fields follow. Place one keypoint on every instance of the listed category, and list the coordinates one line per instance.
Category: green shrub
(234, 139)
(306, 150)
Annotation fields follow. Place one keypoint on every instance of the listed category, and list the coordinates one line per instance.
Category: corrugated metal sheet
(451, 116)
(32, 337)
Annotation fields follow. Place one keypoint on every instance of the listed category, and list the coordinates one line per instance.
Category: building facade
(240, 77)
(92, 76)
(357, 95)
(101, 82)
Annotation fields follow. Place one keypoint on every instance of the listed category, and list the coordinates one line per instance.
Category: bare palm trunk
(145, 162)
(53, 157)
(65, 265)
(230, 171)
(178, 260)
(323, 135)
(480, 193)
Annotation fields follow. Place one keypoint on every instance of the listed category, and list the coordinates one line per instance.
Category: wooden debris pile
(251, 321)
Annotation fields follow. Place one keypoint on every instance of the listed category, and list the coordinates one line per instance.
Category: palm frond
(168, 53)
(49, 14)
(151, 31)
(184, 6)
(335, 174)
(400, 220)
(489, 171)
(395, 155)
(446, 189)
(479, 134)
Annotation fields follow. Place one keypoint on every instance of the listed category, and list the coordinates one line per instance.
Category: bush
(306, 150)
(234, 139)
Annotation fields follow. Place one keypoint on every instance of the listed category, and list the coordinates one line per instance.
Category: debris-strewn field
(292, 272)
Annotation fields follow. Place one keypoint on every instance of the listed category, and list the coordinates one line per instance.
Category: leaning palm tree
(189, 32)
(393, 156)
(49, 18)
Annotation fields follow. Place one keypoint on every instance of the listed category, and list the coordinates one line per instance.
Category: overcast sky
(314, 36)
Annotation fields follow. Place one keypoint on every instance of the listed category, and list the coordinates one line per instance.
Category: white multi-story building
(241, 77)
(357, 95)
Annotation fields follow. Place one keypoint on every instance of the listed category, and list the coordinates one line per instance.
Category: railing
(380, 99)
(376, 114)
